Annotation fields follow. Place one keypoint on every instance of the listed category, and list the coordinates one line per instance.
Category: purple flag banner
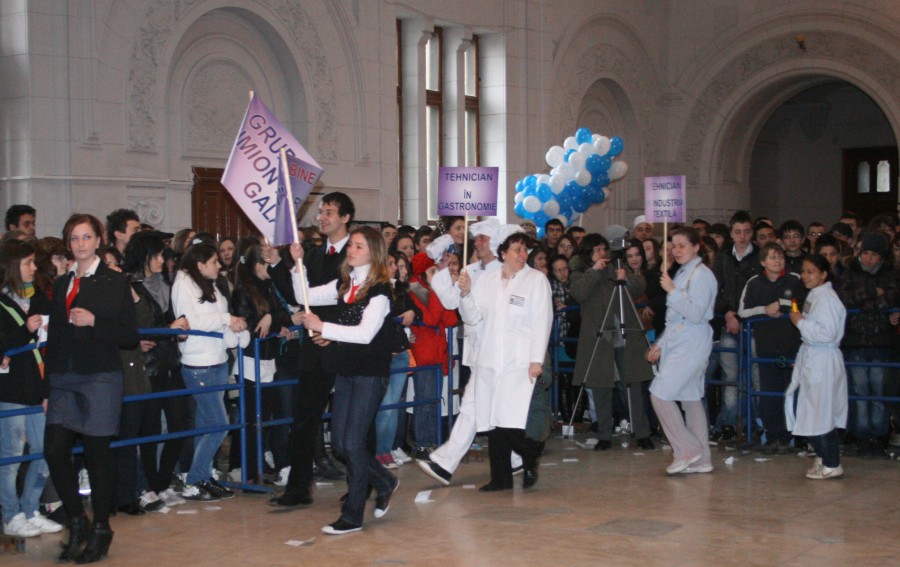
(664, 198)
(303, 177)
(251, 175)
(468, 191)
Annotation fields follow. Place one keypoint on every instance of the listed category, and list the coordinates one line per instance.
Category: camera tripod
(620, 296)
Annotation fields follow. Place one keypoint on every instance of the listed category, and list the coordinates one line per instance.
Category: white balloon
(519, 196)
(563, 219)
(566, 171)
(555, 156)
(531, 204)
(602, 145)
(570, 144)
(594, 138)
(577, 160)
(586, 149)
(583, 178)
(551, 207)
(617, 170)
(543, 179)
(557, 184)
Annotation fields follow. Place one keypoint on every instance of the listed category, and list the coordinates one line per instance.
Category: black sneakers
(340, 527)
(197, 493)
(223, 492)
(382, 503)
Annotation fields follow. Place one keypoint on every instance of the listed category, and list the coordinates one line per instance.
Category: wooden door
(870, 181)
(213, 210)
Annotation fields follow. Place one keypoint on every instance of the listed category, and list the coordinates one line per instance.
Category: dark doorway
(213, 210)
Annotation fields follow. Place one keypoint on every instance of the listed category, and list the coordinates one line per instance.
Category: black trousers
(311, 400)
(827, 447)
(58, 444)
(159, 476)
(501, 443)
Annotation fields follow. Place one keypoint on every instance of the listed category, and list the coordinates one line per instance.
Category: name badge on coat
(517, 300)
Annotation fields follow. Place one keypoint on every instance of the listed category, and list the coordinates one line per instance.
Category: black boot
(97, 544)
(78, 532)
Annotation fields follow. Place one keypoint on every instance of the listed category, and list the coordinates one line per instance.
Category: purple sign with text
(468, 191)
(664, 198)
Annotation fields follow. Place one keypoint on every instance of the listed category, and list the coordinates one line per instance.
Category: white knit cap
(639, 220)
(438, 246)
(503, 232)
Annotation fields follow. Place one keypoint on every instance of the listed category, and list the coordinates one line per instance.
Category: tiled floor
(612, 508)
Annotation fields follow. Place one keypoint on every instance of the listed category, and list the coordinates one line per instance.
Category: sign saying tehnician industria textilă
(468, 191)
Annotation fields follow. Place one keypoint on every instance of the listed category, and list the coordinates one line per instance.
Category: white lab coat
(448, 292)
(819, 370)
(517, 315)
(687, 340)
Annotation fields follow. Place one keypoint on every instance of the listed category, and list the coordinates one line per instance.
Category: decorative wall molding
(845, 56)
(151, 210)
(155, 33)
(205, 116)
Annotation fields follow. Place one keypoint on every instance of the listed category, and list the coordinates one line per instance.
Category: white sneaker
(269, 459)
(824, 473)
(401, 456)
(150, 502)
(697, 469)
(170, 498)
(84, 483)
(678, 465)
(234, 475)
(45, 524)
(21, 527)
(283, 475)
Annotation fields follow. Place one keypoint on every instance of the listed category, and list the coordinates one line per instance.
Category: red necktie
(72, 294)
(352, 293)
(332, 251)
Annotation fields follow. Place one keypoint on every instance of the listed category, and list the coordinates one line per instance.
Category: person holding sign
(682, 353)
(514, 305)
(356, 347)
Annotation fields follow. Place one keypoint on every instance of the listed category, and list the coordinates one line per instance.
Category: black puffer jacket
(858, 290)
(243, 306)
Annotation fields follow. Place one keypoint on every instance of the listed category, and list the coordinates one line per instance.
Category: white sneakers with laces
(21, 527)
(45, 524)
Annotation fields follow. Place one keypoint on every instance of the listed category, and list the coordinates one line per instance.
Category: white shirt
(372, 319)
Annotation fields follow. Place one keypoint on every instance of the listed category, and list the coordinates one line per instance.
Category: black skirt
(86, 403)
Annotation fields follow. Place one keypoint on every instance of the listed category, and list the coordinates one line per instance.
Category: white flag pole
(289, 195)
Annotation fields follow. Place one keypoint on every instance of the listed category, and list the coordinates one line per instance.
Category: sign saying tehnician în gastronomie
(468, 191)
(664, 198)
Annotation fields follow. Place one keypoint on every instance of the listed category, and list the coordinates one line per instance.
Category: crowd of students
(382, 303)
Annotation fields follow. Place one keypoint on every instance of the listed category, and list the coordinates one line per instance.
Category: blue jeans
(425, 416)
(386, 420)
(868, 419)
(210, 413)
(13, 432)
(353, 408)
(728, 362)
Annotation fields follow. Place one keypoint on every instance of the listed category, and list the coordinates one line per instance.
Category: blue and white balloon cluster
(583, 168)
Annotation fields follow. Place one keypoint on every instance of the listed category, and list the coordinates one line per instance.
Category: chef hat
(485, 227)
(503, 232)
(438, 246)
(638, 220)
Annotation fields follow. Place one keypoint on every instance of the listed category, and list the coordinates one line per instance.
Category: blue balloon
(583, 136)
(615, 146)
(531, 181)
(600, 180)
(594, 195)
(568, 153)
(574, 189)
(565, 200)
(520, 185)
(540, 218)
(602, 196)
(520, 210)
(544, 193)
(593, 162)
(580, 204)
(566, 212)
(540, 233)
(529, 191)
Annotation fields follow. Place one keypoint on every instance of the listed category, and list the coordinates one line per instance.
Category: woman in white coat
(682, 353)
(515, 307)
(819, 371)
